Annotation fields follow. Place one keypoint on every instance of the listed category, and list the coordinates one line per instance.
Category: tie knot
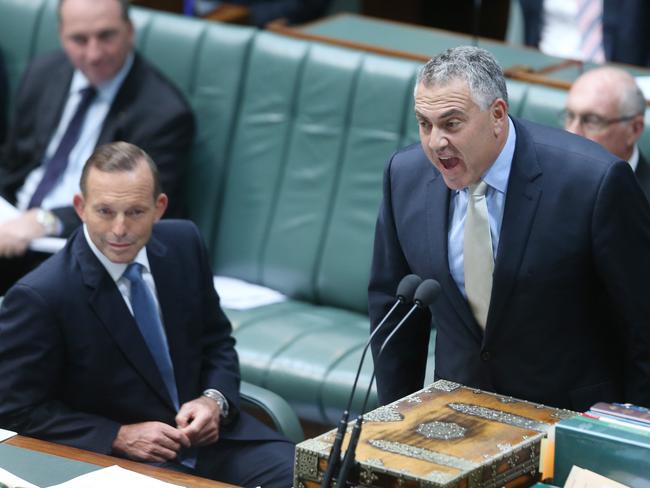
(478, 189)
(88, 92)
(133, 272)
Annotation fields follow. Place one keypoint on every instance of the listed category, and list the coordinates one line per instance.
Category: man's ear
(499, 114)
(79, 205)
(161, 205)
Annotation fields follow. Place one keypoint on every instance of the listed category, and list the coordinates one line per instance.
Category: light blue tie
(146, 316)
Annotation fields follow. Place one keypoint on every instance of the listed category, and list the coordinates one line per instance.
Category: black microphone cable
(405, 294)
(425, 295)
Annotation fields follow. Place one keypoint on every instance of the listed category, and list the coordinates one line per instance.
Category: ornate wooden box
(445, 435)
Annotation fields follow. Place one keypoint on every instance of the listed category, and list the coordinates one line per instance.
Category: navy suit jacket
(642, 173)
(626, 38)
(73, 365)
(147, 111)
(569, 317)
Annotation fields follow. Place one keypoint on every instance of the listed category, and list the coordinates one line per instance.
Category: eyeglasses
(590, 122)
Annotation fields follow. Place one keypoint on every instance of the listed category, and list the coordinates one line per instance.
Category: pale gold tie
(477, 253)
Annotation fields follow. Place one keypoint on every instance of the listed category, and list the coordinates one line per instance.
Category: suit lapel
(524, 191)
(51, 106)
(438, 228)
(123, 100)
(107, 302)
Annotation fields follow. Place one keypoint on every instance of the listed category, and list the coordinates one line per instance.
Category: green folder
(620, 453)
(39, 468)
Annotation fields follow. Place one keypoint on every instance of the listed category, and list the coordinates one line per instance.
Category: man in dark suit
(133, 102)
(625, 35)
(77, 362)
(607, 106)
(539, 239)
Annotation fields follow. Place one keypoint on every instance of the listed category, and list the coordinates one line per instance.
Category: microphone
(405, 294)
(425, 295)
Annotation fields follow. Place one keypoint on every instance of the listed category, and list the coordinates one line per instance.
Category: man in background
(96, 91)
(117, 344)
(589, 30)
(607, 106)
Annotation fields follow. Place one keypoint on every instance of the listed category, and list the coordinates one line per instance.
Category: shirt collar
(634, 159)
(116, 270)
(497, 175)
(108, 89)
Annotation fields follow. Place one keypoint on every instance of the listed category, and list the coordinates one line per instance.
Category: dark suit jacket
(625, 29)
(73, 366)
(147, 111)
(569, 317)
(642, 173)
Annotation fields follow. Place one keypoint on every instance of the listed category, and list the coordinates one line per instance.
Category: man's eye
(452, 124)
(424, 124)
(136, 212)
(79, 40)
(104, 211)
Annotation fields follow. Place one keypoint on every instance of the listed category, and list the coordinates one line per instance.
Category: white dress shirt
(68, 185)
(497, 179)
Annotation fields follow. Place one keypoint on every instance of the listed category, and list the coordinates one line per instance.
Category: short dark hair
(119, 156)
(124, 7)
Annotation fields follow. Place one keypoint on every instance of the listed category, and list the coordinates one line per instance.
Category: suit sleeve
(220, 364)
(621, 243)
(32, 367)
(400, 369)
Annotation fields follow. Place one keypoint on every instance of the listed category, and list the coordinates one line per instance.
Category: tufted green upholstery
(284, 179)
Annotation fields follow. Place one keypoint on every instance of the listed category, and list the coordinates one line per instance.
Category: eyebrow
(454, 112)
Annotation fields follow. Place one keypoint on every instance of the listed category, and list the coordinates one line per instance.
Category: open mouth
(450, 162)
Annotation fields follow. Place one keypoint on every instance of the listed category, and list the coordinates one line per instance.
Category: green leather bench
(284, 179)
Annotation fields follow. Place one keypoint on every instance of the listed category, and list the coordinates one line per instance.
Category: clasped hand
(197, 424)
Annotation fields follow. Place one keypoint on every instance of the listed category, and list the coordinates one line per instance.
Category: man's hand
(17, 233)
(149, 442)
(199, 420)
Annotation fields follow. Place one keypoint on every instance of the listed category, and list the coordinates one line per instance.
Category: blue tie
(146, 315)
(56, 166)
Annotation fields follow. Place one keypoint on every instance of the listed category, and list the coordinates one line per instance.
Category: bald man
(607, 106)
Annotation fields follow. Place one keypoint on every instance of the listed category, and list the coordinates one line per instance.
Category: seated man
(117, 344)
(98, 90)
(607, 106)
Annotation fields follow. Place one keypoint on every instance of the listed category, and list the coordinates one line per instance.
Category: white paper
(42, 244)
(6, 434)
(12, 480)
(241, 295)
(114, 476)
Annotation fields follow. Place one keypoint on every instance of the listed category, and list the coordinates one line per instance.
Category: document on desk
(114, 476)
(42, 244)
(6, 434)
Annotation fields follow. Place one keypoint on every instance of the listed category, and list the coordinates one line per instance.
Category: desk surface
(103, 461)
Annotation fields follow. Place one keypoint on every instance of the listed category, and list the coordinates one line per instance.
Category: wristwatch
(49, 222)
(218, 397)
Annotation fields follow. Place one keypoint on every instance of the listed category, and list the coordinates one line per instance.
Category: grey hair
(474, 65)
(632, 100)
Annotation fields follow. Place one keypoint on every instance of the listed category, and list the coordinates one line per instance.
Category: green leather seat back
(378, 124)
(20, 34)
(301, 172)
(206, 61)
(543, 105)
